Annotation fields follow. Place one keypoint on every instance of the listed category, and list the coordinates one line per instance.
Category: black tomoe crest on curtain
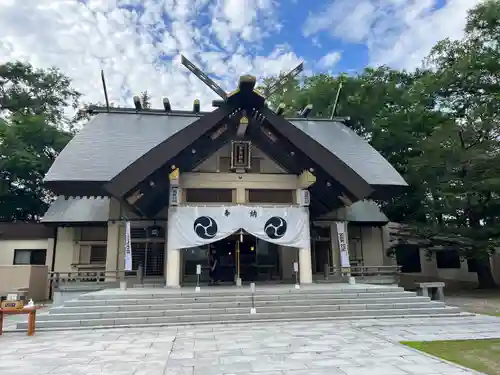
(205, 227)
(275, 227)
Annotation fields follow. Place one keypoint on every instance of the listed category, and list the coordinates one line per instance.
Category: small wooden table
(31, 311)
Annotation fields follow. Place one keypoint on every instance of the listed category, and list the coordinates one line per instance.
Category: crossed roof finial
(246, 82)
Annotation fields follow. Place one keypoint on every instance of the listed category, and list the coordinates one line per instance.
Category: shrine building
(263, 192)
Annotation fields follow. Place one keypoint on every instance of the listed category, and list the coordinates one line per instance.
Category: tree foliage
(439, 127)
(145, 99)
(25, 90)
(34, 128)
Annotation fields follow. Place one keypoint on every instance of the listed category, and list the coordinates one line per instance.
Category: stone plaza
(314, 347)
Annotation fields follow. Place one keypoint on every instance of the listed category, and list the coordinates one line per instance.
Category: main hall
(277, 199)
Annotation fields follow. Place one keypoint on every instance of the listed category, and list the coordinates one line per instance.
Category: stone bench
(436, 290)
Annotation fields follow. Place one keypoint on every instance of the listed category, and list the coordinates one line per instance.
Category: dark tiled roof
(110, 142)
(355, 151)
(366, 211)
(77, 210)
(24, 231)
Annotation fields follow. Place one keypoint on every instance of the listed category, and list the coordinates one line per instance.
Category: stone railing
(89, 276)
(65, 286)
(367, 274)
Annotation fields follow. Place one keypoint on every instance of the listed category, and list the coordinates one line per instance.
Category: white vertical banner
(342, 238)
(128, 247)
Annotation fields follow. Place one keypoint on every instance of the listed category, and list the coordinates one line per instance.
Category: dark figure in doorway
(214, 267)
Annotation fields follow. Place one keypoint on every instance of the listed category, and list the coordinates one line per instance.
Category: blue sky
(138, 43)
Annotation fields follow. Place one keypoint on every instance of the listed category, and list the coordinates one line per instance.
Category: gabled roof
(110, 142)
(365, 212)
(355, 151)
(122, 152)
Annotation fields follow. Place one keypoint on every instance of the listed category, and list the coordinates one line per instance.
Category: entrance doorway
(245, 257)
(258, 260)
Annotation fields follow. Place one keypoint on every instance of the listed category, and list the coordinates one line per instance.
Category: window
(408, 257)
(471, 265)
(209, 195)
(28, 256)
(98, 254)
(93, 233)
(322, 233)
(447, 259)
(150, 232)
(271, 196)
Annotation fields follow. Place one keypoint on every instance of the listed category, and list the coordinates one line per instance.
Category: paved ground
(479, 301)
(308, 348)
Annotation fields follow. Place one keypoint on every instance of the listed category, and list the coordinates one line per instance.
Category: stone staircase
(163, 307)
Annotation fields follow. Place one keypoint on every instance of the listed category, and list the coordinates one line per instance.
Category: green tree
(145, 99)
(440, 128)
(33, 130)
(25, 90)
(467, 85)
(28, 147)
(390, 108)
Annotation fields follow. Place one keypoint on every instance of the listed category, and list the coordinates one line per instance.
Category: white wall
(288, 255)
(429, 265)
(429, 268)
(67, 250)
(7, 248)
(495, 267)
(373, 247)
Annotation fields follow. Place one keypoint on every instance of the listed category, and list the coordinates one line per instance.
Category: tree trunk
(484, 274)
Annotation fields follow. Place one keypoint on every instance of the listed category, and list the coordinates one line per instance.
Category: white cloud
(239, 21)
(138, 44)
(399, 33)
(329, 60)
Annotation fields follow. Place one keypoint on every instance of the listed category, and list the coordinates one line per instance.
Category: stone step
(229, 304)
(84, 300)
(234, 292)
(228, 317)
(23, 326)
(149, 285)
(146, 313)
